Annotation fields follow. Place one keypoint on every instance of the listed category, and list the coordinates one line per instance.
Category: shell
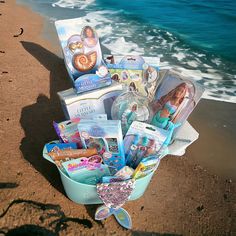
(75, 44)
(84, 62)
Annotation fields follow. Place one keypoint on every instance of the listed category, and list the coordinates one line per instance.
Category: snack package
(82, 55)
(131, 106)
(86, 170)
(175, 98)
(106, 137)
(136, 73)
(143, 140)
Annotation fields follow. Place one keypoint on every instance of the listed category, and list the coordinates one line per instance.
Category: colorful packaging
(175, 99)
(143, 140)
(67, 130)
(129, 107)
(136, 73)
(72, 153)
(106, 137)
(86, 170)
(146, 166)
(125, 172)
(89, 104)
(54, 147)
(82, 55)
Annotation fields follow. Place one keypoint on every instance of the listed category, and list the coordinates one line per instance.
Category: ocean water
(197, 37)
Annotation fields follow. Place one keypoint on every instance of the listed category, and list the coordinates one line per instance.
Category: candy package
(106, 137)
(71, 153)
(67, 130)
(82, 55)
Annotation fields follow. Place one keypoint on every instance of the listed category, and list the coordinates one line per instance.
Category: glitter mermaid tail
(114, 195)
(121, 215)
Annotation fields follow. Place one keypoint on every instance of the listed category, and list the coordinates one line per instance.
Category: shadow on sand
(36, 119)
(52, 213)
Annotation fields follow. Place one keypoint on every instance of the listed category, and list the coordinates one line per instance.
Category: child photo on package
(82, 55)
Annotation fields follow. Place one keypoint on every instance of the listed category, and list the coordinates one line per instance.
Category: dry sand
(182, 199)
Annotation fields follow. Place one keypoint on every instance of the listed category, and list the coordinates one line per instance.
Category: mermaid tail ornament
(170, 127)
(114, 195)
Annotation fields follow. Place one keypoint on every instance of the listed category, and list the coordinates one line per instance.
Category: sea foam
(123, 35)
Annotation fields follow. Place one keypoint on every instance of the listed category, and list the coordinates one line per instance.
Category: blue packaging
(60, 146)
(82, 55)
(143, 140)
(106, 137)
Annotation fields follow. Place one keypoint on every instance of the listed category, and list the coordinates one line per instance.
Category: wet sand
(184, 198)
(216, 147)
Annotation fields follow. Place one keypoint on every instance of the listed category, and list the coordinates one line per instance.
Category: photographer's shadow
(36, 119)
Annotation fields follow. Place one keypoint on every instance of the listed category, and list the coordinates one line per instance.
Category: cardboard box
(87, 104)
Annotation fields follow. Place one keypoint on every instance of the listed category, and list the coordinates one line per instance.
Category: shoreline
(210, 76)
(182, 198)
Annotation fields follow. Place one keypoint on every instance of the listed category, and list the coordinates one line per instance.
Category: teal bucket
(87, 194)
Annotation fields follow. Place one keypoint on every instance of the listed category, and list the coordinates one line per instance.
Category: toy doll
(129, 115)
(169, 106)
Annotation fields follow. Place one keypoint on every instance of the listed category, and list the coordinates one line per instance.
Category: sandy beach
(188, 195)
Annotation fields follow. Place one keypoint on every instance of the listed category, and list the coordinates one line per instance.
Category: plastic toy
(129, 107)
(82, 55)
